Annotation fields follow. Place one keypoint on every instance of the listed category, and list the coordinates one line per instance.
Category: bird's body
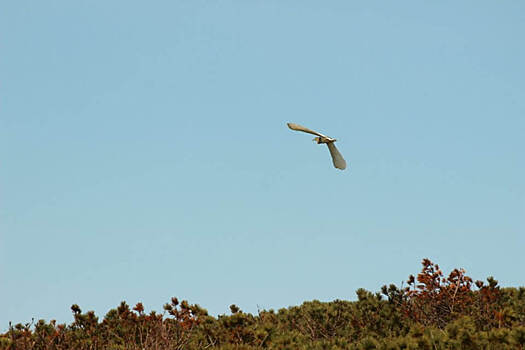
(337, 159)
(320, 140)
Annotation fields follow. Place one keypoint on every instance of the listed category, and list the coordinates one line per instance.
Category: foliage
(432, 312)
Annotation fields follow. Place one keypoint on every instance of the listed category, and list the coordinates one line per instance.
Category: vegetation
(431, 312)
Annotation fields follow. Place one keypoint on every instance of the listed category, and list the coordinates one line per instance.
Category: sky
(144, 152)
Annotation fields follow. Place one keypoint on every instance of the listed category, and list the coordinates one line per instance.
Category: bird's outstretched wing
(298, 127)
(337, 158)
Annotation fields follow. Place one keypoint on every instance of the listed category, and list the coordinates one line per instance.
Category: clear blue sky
(144, 151)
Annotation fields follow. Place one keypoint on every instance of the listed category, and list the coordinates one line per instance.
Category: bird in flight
(337, 158)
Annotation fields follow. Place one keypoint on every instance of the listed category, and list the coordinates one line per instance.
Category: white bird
(337, 158)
